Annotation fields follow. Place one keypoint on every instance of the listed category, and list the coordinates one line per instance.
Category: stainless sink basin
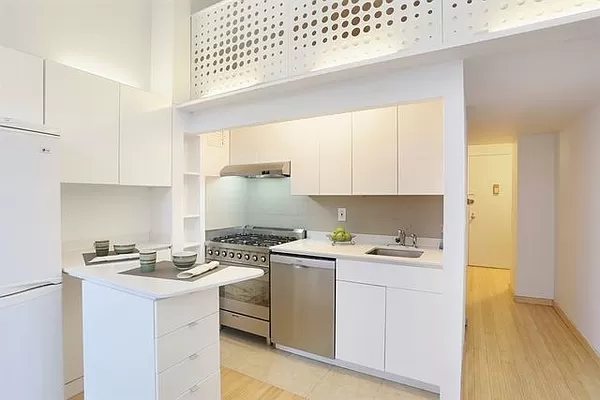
(379, 251)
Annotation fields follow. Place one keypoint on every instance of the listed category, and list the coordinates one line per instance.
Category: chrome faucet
(401, 238)
(414, 239)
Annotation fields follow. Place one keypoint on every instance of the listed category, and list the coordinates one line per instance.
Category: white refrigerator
(31, 356)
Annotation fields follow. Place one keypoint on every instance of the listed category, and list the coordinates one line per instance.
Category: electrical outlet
(341, 215)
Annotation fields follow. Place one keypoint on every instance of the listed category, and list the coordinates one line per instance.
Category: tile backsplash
(267, 202)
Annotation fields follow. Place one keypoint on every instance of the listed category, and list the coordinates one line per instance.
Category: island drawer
(177, 380)
(391, 275)
(182, 343)
(210, 388)
(177, 312)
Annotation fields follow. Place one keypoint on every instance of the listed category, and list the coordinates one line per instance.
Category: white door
(85, 108)
(490, 226)
(360, 324)
(145, 138)
(412, 333)
(31, 345)
(29, 210)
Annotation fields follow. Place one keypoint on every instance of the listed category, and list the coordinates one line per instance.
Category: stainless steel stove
(246, 305)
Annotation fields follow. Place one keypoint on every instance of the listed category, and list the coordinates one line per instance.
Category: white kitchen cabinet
(215, 152)
(304, 154)
(375, 152)
(335, 154)
(360, 324)
(421, 148)
(21, 86)
(145, 138)
(412, 331)
(245, 144)
(85, 108)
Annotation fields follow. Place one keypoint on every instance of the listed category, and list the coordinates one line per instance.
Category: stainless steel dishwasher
(303, 303)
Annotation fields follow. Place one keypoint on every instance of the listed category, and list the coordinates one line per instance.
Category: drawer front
(177, 380)
(182, 343)
(208, 389)
(177, 312)
(391, 275)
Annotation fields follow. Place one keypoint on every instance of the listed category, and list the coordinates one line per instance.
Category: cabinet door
(245, 143)
(215, 152)
(275, 142)
(421, 148)
(304, 154)
(412, 332)
(375, 152)
(145, 138)
(21, 86)
(360, 324)
(335, 154)
(85, 108)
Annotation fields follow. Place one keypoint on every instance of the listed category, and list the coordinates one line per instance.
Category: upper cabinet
(215, 152)
(145, 139)
(421, 148)
(21, 86)
(245, 145)
(335, 154)
(85, 108)
(375, 152)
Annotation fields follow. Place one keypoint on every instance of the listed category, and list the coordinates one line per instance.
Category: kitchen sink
(379, 251)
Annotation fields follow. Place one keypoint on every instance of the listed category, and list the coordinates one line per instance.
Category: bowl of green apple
(341, 236)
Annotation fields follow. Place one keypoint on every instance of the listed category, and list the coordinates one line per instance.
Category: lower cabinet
(388, 329)
(360, 324)
(412, 334)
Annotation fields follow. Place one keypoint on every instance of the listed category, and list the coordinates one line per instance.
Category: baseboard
(364, 370)
(73, 388)
(584, 342)
(533, 300)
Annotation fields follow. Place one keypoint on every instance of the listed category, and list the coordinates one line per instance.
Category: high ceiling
(531, 90)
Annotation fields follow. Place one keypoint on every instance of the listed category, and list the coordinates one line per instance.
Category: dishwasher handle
(297, 261)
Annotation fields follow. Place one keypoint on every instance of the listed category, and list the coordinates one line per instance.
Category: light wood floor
(236, 386)
(521, 351)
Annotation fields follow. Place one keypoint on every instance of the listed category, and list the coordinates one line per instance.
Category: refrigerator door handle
(18, 290)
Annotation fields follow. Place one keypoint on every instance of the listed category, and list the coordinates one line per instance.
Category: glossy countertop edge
(431, 258)
(155, 288)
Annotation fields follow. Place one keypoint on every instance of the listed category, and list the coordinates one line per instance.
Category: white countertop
(156, 288)
(431, 258)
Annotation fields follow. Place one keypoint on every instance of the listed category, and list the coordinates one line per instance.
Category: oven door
(250, 298)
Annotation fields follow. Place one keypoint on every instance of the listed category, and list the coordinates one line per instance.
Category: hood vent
(263, 170)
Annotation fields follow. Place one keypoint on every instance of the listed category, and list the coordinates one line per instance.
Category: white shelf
(191, 174)
(189, 245)
(190, 216)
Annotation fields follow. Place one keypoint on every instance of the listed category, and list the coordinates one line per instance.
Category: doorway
(491, 206)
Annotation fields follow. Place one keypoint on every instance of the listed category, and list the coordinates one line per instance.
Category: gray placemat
(166, 270)
(87, 257)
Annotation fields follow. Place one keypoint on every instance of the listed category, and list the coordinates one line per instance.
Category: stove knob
(210, 252)
(247, 257)
(254, 258)
(239, 256)
(231, 254)
(217, 253)
(263, 259)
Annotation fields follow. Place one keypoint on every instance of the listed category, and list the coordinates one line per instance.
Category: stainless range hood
(280, 169)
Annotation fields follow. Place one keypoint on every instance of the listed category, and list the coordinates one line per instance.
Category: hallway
(520, 351)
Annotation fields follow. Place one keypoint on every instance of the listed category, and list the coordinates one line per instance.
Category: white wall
(578, 225)
(93, 212)
(534, 272)
(225, 202)
(110, 38)
(387, 84)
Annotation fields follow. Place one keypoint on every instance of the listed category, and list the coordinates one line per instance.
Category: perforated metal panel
(237, 43)
(326, 33)
(465, 18)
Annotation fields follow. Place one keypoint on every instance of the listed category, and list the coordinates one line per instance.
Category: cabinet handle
(192, 324)
(193, 356)
(195, 388)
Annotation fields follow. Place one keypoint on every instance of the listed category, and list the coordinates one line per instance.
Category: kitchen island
(152, 339)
